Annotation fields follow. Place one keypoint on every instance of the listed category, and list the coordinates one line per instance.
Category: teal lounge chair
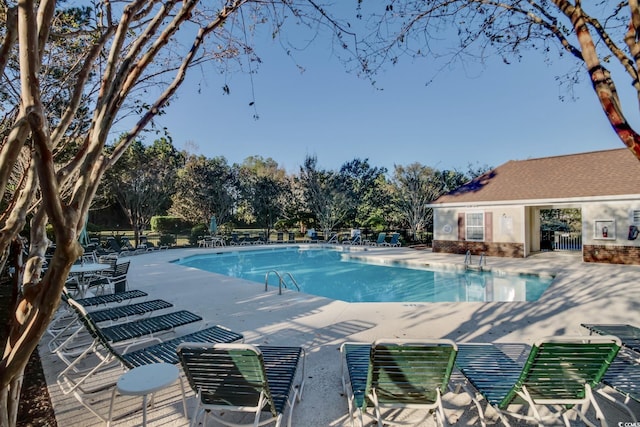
(397, 374)
(381, 240)
(243, 378)
(557, 377)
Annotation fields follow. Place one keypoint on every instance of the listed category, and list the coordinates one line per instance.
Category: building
(498, 213)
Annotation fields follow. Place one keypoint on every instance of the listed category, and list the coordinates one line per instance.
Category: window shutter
(461, 232)
(488, 226)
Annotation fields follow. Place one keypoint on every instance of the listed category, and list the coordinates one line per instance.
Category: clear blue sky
(466, 116)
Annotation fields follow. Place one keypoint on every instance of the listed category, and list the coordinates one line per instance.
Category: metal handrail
(293, 280)
(467, 257)
(281, 281)
(483, 260)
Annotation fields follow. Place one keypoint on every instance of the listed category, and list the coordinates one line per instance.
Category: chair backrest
(111, 262)
(121, 269)
(119, 277)
(559, 368)
(410, 372)
(94, 330)
(394, 238)
(226, 374)
(381, 237)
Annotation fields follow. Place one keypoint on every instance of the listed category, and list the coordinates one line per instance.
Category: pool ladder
(468, 263)
(281, 282)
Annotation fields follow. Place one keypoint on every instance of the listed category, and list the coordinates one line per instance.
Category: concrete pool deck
(581, 293)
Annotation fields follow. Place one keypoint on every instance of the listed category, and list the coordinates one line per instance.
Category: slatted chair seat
(624, 373)
(166, 351)
(149, 326)
(111, 298)
(559, 372)
(73, 380)
(63, 335)
(126, 311)
(243, 378)
(397, 374)
(629, 335)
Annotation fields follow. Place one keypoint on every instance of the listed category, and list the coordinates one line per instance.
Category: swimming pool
(336, 274)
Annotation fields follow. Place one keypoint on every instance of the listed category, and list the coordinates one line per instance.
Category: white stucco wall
(508, 223)
(616, 216)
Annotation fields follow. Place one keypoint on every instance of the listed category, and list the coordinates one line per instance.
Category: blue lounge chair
(559, 373)
(243, 378)
(624, 373)
(355, 240)
(397, 374)
(395, 240)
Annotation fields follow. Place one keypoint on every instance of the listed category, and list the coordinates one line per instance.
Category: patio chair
(333, 238)
(355, 240)
(624, 373)
(397, 374)
(629, 335)
(106, 299)
(82, 376)
(279, 237)
(243, 378)
(394, 241)
(292, 237)
(381, 240)
(112, 314)
(137, 330)
(116, 280)
(556, 379)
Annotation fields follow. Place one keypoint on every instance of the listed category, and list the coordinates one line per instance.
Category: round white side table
(145, 380)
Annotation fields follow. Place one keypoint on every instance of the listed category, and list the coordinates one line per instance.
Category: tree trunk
(28, 323)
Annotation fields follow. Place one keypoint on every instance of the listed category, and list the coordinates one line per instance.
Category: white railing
(563, 241)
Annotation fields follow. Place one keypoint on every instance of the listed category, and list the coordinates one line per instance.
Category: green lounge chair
(397, 374)
(243, 378)
(558, 375)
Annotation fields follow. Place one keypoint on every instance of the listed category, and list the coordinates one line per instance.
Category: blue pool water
(336, 274)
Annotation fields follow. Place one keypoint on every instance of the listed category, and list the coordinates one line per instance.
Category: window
(474, 224)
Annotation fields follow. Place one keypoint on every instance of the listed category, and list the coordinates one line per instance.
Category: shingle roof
(598, 173)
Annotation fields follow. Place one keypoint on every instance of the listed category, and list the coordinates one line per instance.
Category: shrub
(196, 232)
(167, 239)
(168, 224)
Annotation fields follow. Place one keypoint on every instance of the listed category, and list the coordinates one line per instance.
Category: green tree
(262, 186)
(363, 184)
(602, 38)
(143, 181)
(323, 195)
(205, 187)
